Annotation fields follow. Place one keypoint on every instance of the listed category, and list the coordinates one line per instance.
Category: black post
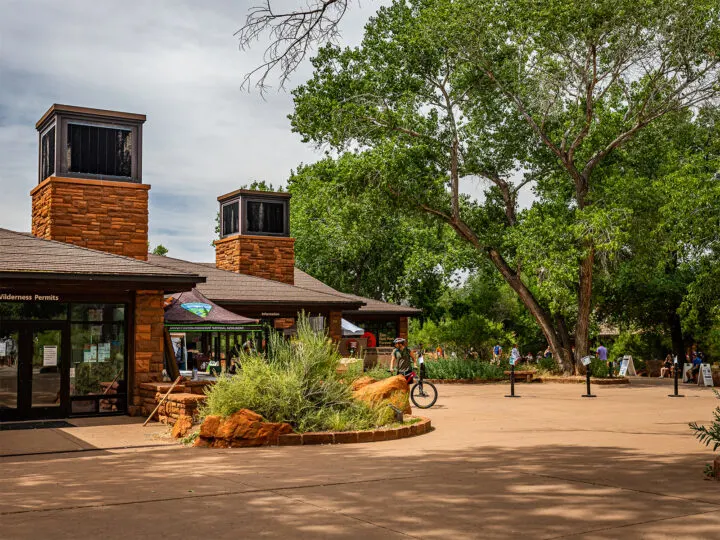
(512, 381)
(675, 393)
(587, 380)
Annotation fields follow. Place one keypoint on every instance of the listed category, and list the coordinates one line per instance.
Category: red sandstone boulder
(362, 382)
(182, 426)
(395, 390)
(243, 428)
(210, 426)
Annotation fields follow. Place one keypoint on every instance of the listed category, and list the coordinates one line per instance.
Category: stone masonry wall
(149, 342)
(267, 257)
(335, 326)
(96, 214)
(403, 327)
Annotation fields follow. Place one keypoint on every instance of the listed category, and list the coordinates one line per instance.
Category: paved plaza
(547, 465)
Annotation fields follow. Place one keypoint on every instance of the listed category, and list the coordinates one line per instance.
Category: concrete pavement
(548, 465)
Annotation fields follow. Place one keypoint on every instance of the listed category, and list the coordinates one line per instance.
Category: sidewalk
(87, 434)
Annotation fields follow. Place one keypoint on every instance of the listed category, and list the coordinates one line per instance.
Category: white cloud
(177, 62)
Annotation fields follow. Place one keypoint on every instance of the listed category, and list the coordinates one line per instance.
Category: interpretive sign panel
(50, 355)
(705, 375)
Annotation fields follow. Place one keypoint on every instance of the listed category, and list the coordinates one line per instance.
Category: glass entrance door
(9, 356)
(33, 382)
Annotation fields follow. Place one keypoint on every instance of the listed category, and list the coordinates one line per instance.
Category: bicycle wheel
(423, 395)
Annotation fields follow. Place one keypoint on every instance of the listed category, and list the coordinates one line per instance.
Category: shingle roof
(23, 255)
(371, 306)
(232, 288)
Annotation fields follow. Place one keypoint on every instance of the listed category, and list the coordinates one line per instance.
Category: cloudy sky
(175, 61)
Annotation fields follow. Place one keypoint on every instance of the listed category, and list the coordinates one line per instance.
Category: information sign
(103, 352)
(705, 375)
(627, 367)
(3, 348)
(50, 355)
(585, 360)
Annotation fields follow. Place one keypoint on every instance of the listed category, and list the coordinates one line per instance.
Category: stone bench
(520, 375)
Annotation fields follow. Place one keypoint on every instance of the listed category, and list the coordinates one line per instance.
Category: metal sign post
(512, 378)
(677, 374)
(586, 362)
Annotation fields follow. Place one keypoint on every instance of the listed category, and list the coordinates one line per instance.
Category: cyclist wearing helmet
(401, 359)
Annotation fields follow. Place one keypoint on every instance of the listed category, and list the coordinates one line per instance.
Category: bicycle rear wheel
(423, 394)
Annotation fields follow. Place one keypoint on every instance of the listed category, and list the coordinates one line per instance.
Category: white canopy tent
(350, 330)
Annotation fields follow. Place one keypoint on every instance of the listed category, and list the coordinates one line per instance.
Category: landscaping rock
(394, 390)
(210, 426)
(182, 426)
(362, 382)
(243, 428)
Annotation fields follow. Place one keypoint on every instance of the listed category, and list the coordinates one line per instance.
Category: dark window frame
(223, 231)
(103, 135)
(266, 200)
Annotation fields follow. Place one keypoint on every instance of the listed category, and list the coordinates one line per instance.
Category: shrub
(448, 368)
(599, 368)
(297, 384)
(709, 435)
(548, 364)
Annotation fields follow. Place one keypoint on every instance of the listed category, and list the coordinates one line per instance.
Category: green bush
(297, 384)
(548, 364)
(599, 368)
(447, 368)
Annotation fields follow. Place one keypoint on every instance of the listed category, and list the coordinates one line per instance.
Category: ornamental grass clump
(448, 368)
(298, 384)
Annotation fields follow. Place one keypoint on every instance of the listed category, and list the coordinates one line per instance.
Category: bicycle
(423, 394)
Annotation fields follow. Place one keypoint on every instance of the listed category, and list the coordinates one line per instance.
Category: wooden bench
(526, 375)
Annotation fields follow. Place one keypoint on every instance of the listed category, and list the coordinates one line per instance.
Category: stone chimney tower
(255, 235)
(90, 191)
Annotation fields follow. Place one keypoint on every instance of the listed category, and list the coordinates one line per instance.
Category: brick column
(403, 327)
(335, 326)
(149, 344)
(97, 214)
(268, 257)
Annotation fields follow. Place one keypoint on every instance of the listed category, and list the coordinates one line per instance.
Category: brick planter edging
(581, 380)
(349, 437)
(541, 379)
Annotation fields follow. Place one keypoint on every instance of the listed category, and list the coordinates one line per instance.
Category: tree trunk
(539, 314)
(568, 360)
(582, 327)
(678, 340)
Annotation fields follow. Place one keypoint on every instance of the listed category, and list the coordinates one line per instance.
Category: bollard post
(677, 369)
(512, 381)
(587, 380)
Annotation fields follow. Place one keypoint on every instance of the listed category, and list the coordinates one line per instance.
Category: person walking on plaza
(601, 354)
(401, 359)
(497, 352)
(514, 355)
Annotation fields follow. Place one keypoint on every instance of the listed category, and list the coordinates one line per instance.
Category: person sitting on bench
(667, 367)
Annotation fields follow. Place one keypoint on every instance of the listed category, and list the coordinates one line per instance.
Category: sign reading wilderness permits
(7, 297)
(197, 308)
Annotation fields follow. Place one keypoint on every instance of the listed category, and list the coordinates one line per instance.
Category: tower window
(265, 217)
(230, 218)
(47, 153)
(103, 151)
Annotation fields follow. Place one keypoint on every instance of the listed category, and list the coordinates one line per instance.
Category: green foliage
(478, 314)
(160, 250)
(352, 237)
(709, 435)
(378, 372)
(297, 384)
(447, 368)
(548, 365)
(640, 345)
(89, 375)
(599, 368)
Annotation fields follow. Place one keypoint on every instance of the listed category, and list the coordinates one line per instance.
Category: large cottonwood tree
(511, 92)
